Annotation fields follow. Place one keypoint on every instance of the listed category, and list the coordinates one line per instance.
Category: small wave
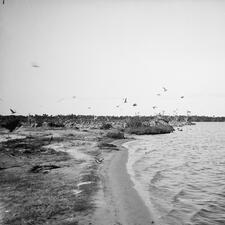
(157, 177)
(182, 175)
(209, 216)
(178, 195)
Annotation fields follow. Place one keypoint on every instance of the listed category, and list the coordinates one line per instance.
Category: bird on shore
(12, 111)
(154, 107)
(99, 160)
(125, 100)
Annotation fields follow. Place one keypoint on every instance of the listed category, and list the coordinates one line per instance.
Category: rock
(157, 129)
(115, 135)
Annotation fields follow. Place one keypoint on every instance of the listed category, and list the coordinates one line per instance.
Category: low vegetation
(136, 126)
(35, 188)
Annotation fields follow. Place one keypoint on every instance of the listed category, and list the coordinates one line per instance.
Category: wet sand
(123, 203)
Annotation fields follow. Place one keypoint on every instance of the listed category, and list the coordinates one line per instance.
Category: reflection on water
(181, 176)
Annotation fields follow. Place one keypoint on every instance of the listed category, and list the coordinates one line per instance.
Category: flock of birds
(125, 100)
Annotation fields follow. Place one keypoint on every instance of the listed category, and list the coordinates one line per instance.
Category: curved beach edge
(118, 202)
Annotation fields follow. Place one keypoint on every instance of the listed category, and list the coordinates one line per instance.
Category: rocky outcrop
(156, 126)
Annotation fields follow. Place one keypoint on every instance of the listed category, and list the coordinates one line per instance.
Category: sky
(86, 56)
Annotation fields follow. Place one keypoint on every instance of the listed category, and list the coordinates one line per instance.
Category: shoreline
(108, 196)
(123, 204)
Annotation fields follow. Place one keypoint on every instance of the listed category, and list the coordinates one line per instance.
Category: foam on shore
(132, 157)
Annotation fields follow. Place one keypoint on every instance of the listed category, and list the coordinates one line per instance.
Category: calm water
(181, 176)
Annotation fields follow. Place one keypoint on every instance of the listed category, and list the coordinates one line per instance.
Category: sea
(181, 176)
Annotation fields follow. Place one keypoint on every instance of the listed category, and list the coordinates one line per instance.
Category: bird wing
(12, 111)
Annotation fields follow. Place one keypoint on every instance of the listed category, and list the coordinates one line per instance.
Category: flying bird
(135, 104)
(117, 106)
(12, 111)
(182, 97)
(164, 89)
(74, 97)
(154, 107)
(35, 65)
(89, 107)
(188, 112)
(61, 99)
(158, 94)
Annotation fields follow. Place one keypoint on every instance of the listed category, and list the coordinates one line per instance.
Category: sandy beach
(124, 203)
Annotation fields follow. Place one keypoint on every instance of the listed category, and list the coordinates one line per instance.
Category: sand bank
(123, 204)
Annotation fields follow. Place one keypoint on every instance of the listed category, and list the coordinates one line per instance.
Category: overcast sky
(84, 57)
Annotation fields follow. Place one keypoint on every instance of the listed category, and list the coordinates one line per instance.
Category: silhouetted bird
(134, 104)
(12, 125)
(182, 97)
(12, 111)
(35, 65)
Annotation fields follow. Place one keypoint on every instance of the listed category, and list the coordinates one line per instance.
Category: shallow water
(181, 176)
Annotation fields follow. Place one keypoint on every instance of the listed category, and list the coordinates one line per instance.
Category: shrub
(11, 125)
(134, 122)
(106, 126)
(115, 135)
(51, 124)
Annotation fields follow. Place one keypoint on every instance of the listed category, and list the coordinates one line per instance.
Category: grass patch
(34, 195)
(44, 199)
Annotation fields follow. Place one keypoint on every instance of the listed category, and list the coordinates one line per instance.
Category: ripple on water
(182, 174)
